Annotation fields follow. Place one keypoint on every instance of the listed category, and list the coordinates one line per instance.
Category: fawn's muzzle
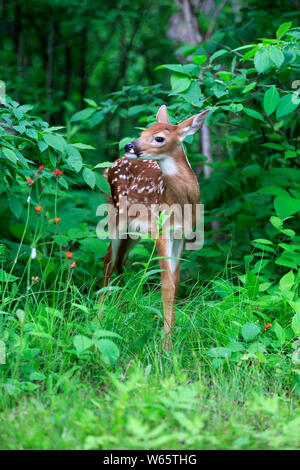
(129, 148)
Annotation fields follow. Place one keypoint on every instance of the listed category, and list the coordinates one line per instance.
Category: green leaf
(287, 281)
(5, 277)
(174, 67)
(102, 184)
(279, 332)
(287, 104)
(254, 114)
(89, 177)
(54, 141)
(283, 29)
(193, 94)
(79, 145)
(103, 165)
(217, 54)
(83, 114)
(252, 285)
(250, 331)
(220, 352)
(271, 100)
(101, 333)
(276, 56)
(286, 206)
(139, 108)
(75, 162)
(15, 205)
(109, 351)
(82, 343)
(262, 60)
(263, 241)
(91, 103)
(10, 155)
(199, 60)
(249, 87)
(296, 324)
(179, 82)
(42, 145)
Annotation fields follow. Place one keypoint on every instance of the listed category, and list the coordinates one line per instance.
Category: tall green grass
(54, 398)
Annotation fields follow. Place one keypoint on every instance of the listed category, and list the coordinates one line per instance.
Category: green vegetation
(77, 374)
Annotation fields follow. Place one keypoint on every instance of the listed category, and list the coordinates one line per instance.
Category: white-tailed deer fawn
(154, 173)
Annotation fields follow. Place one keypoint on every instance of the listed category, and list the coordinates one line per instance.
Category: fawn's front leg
(169, 248)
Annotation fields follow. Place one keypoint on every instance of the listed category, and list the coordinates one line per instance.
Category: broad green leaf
(253, 113)
(296, 324)
(276, 56)
(83, 114)
(179, 82)
(276, 222)
(263, 241)
(199, 60)
(89, 177)
(287, 281)
(139, 108)
(250, 331)
(174, 67)
(220, 352)
(262, 60)
(217, 54)
(20, 314)
(102, 183)
(274, 190)
(6, 277)
(279, 332)
(286, 105)
(283, 29)
(252, 285)
(103, 165)
(105, 333)
(271, 100)
(249, 87)
(79, 145)
(109, 351)
(10, 154)
(54, 141)
(15, 205)
(91, 103)
(82, 343)
(193, 94)
(75, 162)
(286, 206)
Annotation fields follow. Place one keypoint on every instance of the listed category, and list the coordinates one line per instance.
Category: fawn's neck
(181, 183)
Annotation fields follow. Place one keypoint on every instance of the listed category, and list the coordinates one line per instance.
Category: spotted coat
(141, 181)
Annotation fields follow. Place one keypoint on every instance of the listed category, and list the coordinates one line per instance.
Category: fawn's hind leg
(115, 258)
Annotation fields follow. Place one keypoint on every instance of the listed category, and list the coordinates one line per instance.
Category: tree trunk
(194, 35)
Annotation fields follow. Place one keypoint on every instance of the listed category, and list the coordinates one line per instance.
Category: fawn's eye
(159, 139)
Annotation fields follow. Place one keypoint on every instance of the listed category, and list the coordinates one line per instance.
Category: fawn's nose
(129, 148)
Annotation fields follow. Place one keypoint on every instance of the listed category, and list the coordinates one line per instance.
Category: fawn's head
(162, 140)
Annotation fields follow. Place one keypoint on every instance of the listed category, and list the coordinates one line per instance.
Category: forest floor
(63, 393)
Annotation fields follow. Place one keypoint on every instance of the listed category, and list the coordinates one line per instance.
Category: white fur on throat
(168, 166)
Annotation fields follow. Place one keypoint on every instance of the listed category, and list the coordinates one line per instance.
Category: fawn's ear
(162, 115)
(192, 124)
